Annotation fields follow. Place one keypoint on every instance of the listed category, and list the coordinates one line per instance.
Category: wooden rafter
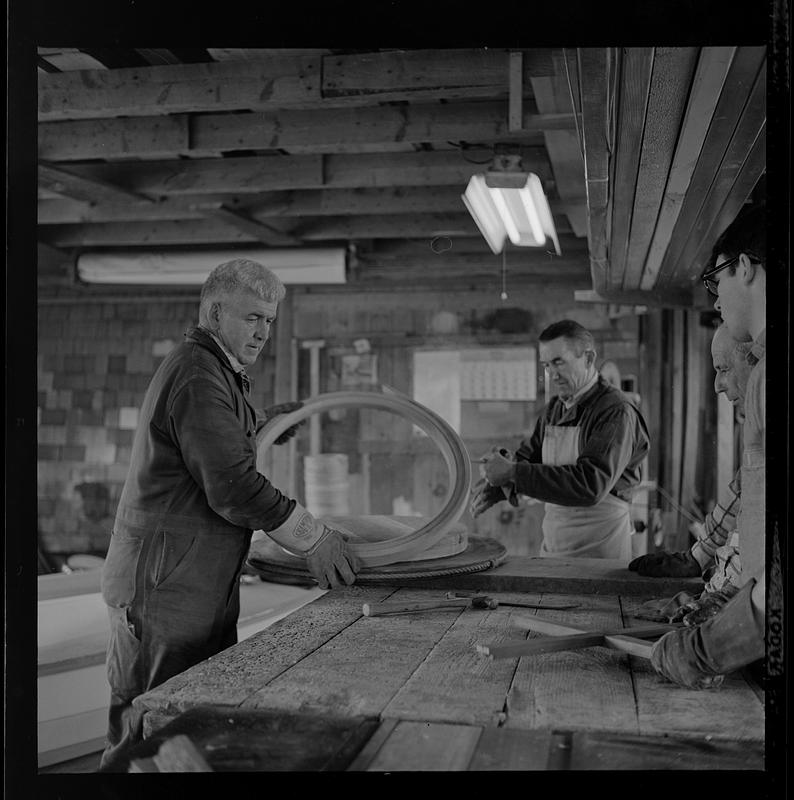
(707, 84)
(673, 68)
(282, 82)
(593, 77)
(259, 230)
(249, 175)
(83, 188)
(746, 69)
(314, 130)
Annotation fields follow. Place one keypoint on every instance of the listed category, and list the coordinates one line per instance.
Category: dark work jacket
(191, 500)
(613, 442)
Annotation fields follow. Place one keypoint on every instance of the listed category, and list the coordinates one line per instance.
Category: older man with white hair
(192, 499)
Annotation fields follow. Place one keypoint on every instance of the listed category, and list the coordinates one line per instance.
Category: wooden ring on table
(377, 554)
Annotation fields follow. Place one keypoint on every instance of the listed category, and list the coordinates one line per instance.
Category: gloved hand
(498, 467)
(667, 565)
(285, 408)
(330, 559)
(699, 657)
(699, 610)
(486, 496)
(664, 610)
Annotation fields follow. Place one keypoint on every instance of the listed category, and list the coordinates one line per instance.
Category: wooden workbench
(410, 691)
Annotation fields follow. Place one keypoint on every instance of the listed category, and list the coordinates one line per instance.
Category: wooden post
(313, 346)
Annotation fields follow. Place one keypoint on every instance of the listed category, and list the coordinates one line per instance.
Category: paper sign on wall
(498, 374)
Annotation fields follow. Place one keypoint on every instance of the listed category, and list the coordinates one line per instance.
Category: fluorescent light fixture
(511, 205)
(309, 266)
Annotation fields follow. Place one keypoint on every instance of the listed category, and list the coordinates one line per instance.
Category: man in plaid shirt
(715, 554)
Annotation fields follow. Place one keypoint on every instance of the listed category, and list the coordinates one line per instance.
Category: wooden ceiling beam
(593, 73)
(456, 73)
(321, 131)
(747, 70)
(214, 231)
(410, 248)
(242, 175)
(394, 227)
(134, 137)
(532, 261)
(673, 70)
(741, 168)
(299, 203)
(82, 188)
(178, 88)
(328, 130)
(712, 69)
(278, 82)
(636, 67)
(422, 274)
(260, 231)
(554, 95)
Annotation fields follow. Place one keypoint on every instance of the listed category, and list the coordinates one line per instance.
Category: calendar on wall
(444, 380)
(507, 373)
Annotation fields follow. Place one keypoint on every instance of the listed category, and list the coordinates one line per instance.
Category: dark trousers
(137, 665)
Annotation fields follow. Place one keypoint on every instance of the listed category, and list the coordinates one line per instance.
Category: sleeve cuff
(299, 533)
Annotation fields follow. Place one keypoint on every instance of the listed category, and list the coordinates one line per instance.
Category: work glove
(699, 610)
(667, 565)
(284, 408)
(699, 657)
(498, 467)
(664, 610)
(328, 556)
(486, 496)
(330, 561)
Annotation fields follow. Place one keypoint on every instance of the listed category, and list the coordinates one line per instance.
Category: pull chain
(504, 275)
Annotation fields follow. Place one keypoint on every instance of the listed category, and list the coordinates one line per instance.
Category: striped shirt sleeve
(720, 522)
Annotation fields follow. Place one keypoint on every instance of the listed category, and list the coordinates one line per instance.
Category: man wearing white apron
(584, 457)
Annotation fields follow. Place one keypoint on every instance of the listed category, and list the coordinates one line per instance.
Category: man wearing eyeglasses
(699, 657)
(583, 460)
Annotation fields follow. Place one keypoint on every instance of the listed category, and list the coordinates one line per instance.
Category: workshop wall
(97, 355)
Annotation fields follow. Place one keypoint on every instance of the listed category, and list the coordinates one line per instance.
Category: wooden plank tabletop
(329, 660)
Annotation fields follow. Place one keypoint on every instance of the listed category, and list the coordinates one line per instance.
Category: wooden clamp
(565, 637)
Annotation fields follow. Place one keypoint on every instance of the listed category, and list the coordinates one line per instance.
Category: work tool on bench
(540, 606)
(377, 609)
(564, 637)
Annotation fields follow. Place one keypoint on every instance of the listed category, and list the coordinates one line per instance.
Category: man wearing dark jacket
(584, 458)
(192, 499)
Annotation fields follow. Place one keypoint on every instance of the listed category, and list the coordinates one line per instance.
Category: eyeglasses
(708, 276)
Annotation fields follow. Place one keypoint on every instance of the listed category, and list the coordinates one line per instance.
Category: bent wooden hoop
(376, 554)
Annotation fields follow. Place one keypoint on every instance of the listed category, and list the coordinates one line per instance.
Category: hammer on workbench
(478, 601)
